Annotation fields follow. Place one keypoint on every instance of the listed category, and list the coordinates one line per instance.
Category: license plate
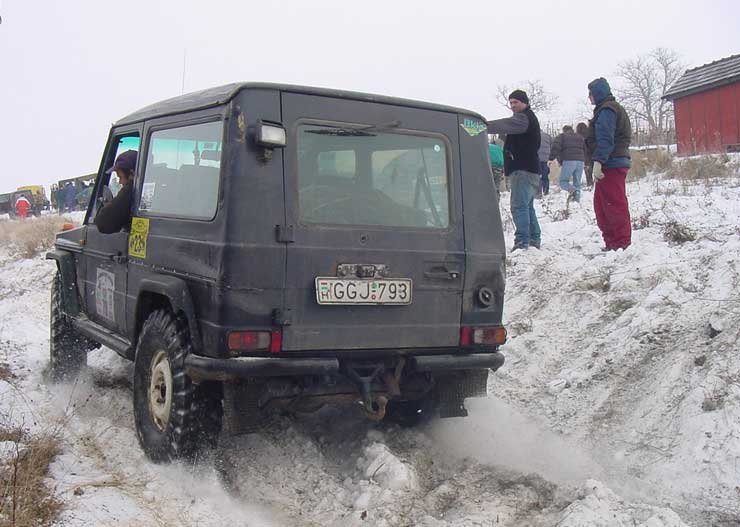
(396, 291)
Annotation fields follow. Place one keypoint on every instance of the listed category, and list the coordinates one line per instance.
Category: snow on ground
(619, 403)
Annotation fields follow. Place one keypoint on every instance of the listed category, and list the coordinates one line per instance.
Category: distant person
(70, 197)
(544, 156)
(496, 155)
(609, 135)
(582, 130)
(22, 207)
(569, 149)
(521, 167)
(116, 214)
(54, 195)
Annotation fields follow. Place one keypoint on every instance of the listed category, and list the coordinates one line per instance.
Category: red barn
(706, 103)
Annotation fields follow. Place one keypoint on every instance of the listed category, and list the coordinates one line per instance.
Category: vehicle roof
(222, 94)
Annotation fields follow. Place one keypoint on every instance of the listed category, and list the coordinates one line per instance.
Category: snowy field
(618, 405)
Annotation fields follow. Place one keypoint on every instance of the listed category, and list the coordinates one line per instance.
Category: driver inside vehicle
(116, 214)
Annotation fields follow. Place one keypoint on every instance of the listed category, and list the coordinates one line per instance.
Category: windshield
(361, 176)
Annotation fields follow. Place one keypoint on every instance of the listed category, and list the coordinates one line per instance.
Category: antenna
(184, 59)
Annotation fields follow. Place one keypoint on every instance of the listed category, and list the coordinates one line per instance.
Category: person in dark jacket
(582, 130)
(569, 149)
(544, 155)
(521, 167)
(609, 135)
(70, 204)
(116, 214)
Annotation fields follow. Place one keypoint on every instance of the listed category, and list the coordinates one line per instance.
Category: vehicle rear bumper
(208, 368)
(472, 361)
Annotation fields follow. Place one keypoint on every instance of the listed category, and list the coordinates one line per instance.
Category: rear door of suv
(376, 249)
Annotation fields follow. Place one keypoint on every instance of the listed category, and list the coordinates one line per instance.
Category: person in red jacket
(22, 206)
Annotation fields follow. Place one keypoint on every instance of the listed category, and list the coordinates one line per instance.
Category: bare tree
(646, 78)
(540, 100)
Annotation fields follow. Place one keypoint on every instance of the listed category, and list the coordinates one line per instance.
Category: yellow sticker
(138, 237)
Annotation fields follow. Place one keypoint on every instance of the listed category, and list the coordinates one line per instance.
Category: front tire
(67, 348)
(175, 418)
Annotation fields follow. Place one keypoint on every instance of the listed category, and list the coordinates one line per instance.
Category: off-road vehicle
(289, 247)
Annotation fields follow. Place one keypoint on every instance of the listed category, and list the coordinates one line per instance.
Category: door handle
(442, 274)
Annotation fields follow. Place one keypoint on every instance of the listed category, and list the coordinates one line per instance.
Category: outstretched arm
(516, 124)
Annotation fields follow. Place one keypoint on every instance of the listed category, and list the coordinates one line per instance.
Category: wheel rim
(160, 390)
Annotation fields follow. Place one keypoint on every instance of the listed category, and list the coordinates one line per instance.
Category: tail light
(482, 336)
(276, 340)
(255, 341)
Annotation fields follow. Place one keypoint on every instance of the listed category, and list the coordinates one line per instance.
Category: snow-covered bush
(675, 232)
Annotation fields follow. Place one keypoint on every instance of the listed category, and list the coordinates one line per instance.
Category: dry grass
(706, 168)
(25, 499)
(28, 238)
(645, 162)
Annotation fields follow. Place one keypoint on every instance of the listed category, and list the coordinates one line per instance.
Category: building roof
(222, 94)
(702, 78)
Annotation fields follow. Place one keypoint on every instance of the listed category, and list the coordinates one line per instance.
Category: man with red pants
(608, 141)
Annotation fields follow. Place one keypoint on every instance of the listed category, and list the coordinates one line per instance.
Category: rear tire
(174, 417)
(67, 348)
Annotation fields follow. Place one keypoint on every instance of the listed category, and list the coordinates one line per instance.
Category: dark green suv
(289, 247)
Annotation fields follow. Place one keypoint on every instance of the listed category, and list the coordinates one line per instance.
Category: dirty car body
(313, 246)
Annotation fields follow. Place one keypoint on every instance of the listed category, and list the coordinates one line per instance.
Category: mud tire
(67, 347)
(183, 419)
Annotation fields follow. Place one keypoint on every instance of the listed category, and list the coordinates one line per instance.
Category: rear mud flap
(242, 414)
(453, 390)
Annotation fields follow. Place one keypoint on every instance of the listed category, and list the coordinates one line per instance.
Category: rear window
(351, 176)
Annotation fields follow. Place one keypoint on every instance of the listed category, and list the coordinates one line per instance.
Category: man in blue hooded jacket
(608, 142)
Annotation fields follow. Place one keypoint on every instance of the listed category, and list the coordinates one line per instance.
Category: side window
(182, 171)
(132, 142)
(80, 193)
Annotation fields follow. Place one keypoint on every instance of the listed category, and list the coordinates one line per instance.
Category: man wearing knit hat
(521, 166)
(608, 142)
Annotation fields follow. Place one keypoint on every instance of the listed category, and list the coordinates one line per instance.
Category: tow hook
(375, 408)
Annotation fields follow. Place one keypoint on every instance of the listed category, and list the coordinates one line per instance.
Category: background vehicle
(6, 203)
(74, 193)
(36, 194)
(289, 247)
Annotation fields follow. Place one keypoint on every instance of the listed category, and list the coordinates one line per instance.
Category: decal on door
(473, 126)
(147, 195)
(138, 237)
(105, 289)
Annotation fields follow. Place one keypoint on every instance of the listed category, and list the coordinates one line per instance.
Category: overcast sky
(70, 68)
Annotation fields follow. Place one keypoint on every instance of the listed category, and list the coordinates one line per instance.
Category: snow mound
(599, 506)
(381, 466)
